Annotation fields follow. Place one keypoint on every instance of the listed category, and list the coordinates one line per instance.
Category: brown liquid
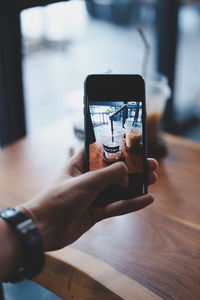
(133, 140)
(153, 128)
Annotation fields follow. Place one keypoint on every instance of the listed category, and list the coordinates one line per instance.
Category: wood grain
(155, 251)
(75, 270)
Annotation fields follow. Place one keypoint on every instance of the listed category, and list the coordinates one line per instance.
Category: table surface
(150, 254)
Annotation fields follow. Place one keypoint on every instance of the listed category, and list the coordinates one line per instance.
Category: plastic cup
(112, 143)
(133, 134)
(157, 93)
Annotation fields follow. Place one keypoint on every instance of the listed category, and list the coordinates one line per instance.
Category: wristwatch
(29, 236)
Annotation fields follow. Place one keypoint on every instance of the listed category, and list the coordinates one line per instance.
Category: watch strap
(29, 236)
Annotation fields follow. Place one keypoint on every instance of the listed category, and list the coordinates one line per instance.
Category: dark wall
(10, 6)
(12, 106)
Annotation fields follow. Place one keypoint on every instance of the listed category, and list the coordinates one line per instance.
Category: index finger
(152, 164)
(75, 165)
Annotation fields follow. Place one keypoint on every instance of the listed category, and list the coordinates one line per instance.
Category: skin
(66, 210)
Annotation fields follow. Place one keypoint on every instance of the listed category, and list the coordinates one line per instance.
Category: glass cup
(157, 93)
(133, 134)
(112, 143)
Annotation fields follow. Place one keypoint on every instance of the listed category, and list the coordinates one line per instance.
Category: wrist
(36, 213)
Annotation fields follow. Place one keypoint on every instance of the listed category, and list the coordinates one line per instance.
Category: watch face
(8, 212)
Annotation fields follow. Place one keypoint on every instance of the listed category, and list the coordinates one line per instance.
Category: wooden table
(151, 254)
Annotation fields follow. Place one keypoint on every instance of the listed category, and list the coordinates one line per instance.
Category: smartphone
(115, 130)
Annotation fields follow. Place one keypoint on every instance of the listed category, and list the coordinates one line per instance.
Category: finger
(96, 181)
(152, 164)
(127, 206)
(75, 165)
(152, 177)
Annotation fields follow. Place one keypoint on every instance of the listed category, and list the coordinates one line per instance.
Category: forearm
(11, 251)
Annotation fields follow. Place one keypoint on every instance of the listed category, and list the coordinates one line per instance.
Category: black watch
(32, 244)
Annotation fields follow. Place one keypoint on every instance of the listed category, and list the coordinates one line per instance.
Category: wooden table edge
(79, 275)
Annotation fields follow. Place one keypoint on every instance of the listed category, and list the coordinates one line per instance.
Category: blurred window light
(55, 22)
(189, 19)
(32, 23)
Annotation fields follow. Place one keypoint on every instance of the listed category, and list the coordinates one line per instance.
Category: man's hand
(66, 210)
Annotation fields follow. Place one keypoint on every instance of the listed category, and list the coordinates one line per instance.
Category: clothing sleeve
(12, 6)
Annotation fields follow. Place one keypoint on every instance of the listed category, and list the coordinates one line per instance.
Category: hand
(66, 210)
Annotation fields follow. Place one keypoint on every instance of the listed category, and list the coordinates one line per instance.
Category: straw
(112, 116)
(146, 53)
(136, 113)
(111, 122)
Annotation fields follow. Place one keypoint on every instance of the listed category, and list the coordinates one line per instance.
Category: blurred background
(63, 42)
(47, 51)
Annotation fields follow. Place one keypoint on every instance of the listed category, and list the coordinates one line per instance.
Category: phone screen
(116, 134)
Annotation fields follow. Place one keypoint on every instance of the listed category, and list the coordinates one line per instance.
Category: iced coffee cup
(157, 93)
(133, 130)
(112, 143)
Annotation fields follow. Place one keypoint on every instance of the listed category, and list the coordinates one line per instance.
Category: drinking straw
(111, 122)
(146, 52)
(136, 113)
(112, 116)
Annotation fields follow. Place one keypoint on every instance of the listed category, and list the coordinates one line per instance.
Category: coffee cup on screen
(133, 129)
(112, 143)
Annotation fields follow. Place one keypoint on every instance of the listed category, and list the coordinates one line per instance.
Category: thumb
(96, 181)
